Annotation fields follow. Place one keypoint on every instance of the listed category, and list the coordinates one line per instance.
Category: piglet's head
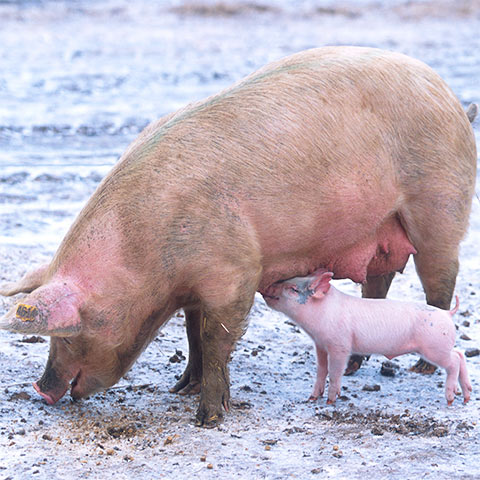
(288, 296)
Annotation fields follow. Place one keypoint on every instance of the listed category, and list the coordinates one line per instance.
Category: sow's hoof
(354, 363)
(207, 418)
(210, 415)
(189, 383)
(186, 387)
(423, 367)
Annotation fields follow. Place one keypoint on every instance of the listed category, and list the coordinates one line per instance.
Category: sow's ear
(52, 309)
(321, 284)
(29, 282)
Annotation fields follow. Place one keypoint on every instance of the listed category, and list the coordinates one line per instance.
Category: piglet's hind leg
(463, 377)
(450, 361)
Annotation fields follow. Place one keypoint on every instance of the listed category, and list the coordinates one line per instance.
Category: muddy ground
(78, 81)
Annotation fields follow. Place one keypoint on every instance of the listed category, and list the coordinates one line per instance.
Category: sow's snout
(62, 366)
(72, 364)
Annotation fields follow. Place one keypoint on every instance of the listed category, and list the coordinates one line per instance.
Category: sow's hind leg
(436, 221)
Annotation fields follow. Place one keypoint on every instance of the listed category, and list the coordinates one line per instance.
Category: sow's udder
(386, 251)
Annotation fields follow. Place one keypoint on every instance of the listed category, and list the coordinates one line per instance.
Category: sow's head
(83, 357)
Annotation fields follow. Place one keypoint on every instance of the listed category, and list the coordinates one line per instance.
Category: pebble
(371, 388)
(472, 352)
(389, 369)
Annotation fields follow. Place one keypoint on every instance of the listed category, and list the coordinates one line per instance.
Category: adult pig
(344, 158)
(341, 324)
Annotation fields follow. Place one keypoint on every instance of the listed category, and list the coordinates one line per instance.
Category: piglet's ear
(52, 309)
(321, 284)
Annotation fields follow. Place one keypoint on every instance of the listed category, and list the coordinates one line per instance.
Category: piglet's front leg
(322, 372)
(337, 362)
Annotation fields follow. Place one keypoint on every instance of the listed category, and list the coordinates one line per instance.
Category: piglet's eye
(293, 289)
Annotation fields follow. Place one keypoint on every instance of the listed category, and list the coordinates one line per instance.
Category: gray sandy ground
(78, 81)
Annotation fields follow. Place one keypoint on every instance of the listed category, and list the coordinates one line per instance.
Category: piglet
(341, 325)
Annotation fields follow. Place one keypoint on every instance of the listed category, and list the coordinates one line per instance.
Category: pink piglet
(341, 325)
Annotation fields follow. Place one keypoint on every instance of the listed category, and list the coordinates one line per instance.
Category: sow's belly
(386, 250)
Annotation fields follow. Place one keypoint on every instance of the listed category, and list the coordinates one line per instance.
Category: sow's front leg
(222, 325)
(189, 382)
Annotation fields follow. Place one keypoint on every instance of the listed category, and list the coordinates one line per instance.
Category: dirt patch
(438, 9)
(378, 423)
(222, 9)
(408, 10)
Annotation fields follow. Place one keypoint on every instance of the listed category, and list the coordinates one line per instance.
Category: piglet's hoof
(354, 363)
(424, 367)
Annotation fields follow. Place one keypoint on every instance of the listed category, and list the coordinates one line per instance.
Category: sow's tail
(472, 112)
(28, 283)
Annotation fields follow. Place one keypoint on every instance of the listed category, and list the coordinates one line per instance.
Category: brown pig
(344, 158)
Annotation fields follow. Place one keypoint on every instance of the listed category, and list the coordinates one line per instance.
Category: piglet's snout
(272, 292)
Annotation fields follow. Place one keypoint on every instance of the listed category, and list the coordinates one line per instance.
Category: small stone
(32, 339)
(389, 369)
(203, 458)
(270, 442)
(46, 436)
(210, 466)
(472, 352)
(20, 396)
(371, 388)
(440, 432)
(376, 430)
(175, 358)
(463, 336)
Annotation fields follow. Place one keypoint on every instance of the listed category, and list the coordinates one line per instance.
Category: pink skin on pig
(341, 325)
